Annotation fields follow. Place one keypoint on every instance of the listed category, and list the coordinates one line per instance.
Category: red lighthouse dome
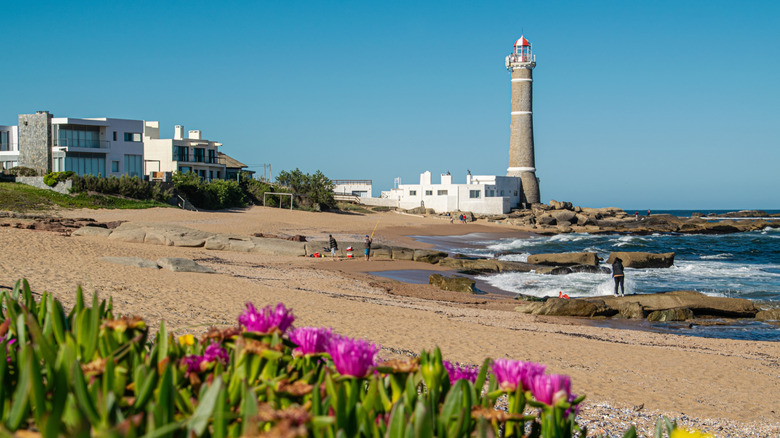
(522, 42)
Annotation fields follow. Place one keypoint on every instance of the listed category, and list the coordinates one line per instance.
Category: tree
(312, 191)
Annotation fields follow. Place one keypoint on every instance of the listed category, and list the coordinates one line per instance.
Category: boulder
(700, 304)
(583, 220)
(567, 307)
(128, 234)
(768, 315)
(428, 256)
(92, 231)
(379, 253)
(278, 247)
(137, 262)
(485, 265)
(564, 227)
(454, 283)
(178, 264)
(403, 254)
(676, 314)
(643, 259)
(631, 310)
(563, 216)
(219, 242)
(546, 219)
(564, 259)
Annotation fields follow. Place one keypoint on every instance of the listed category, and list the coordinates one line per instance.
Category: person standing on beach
(333, 246)
(619, 276)
(367, 251)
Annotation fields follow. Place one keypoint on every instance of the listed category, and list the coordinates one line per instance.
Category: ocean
(740, 265)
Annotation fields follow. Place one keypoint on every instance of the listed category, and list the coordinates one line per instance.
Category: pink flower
(457, 372)
(352, 357)
(267, 319)
(9, 342)
(512, 374)
(311, 340)
(214, 352)
(552, 388)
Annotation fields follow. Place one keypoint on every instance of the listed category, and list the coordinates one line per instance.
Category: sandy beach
(721, 384)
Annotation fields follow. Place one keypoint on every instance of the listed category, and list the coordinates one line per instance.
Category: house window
(490, 193)
(212, 156)
(515, 192)
(474, 194)
(218, 174)
(114, 135)
(429, 193)
(200, 155)
(442, 193)
(412, 192)
(132, 136)
(133, 165)
(85, 163)
(115, 166)
(5, 144)
(502, 193)
(180, 153)
(185, 169)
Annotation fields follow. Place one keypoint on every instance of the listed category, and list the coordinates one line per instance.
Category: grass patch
(21, 197)
(354, 208)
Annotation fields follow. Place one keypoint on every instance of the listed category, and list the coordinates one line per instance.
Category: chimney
(194, 134)
(178, 132)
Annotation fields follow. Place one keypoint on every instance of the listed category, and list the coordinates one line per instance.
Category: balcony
(81, 145)
(195, 158)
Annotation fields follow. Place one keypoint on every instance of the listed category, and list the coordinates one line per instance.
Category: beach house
(165, 156)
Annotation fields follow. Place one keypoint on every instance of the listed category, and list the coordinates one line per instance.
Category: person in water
(619, 276)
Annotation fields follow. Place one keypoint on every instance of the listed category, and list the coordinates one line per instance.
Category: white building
(353, 187)
(179, 154)
(9, 147)
(481, 194)
(97, 146)
(91, 146)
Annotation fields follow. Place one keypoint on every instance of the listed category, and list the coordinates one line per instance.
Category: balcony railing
(68, 143)
(192, 158)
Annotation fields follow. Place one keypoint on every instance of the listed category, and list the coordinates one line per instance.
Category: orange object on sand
(562, 295)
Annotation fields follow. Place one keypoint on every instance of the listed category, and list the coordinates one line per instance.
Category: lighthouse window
(474, 194)
(412, 192)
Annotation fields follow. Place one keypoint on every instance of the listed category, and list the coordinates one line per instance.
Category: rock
(379, 253)
(556, 205)
(564, 227)
(676, 314)
(177, 264)
(160, 234)
(700, 304)
(297, 238)
(128, 234)
(564, 259)
(558, 270)
(428, 256)
(567, 307)
(486, 265)
(643, 259)
(454, 283)
(131, 261)
(279, 247)
(745, 213)
(421, 210)
(768, 315)
(583, 220)
(92, 231)
(631, 310)
(563, 216)
(220, 242)
(590, 269)
(403, 254)
(546, 219)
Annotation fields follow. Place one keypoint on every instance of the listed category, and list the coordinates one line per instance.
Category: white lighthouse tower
(520, 64)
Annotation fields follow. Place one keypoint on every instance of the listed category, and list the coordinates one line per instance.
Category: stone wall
(35, 141)
(380, 202)
(37, 181)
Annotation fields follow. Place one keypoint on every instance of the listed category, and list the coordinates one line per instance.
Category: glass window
(212, 156)
(442, 193)
(86, 163)
(200, 155)
(132, 136)
(180, 153)
(474, 194)
(115, 166)
(412, 192)
(133, 165)
(5, 144)
(114, 135)
(429, 193)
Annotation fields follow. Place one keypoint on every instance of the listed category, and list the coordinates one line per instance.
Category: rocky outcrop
(566, 307)
(454, 283)
(486, 265)
(768, 315)
(137, 262)
(564, 259)
(636, 306)
(428, 256)
(63, 226)
(563, 270)
(641, 260)
(178, 264)
(676, 314)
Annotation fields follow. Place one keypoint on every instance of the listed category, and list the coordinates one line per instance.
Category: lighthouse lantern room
(522, 53)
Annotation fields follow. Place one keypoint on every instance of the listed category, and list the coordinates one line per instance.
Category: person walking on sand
(617, 274)
(333, 247)
(367, 250)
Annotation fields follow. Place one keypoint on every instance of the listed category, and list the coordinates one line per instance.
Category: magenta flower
(214, 352)
(311, 340)
(266, 320)
(352, 357)
(512, 374)
(552, 388)
(457, 372)
(9, 342)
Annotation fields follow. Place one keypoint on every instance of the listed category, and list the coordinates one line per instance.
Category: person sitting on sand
(617, 274)
(333, 247)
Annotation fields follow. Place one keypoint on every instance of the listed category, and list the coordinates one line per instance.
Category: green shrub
(311, 191)
(21, 171)
(213, 195)
(51, 179)
(127, 186)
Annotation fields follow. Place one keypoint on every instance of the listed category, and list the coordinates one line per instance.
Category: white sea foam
(510, 245)
(722, 256)
(515, 257)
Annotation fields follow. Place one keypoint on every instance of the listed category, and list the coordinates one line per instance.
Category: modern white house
(86, 146)
(179, 154)
(9, 147)
(353, 187)
(481, 194)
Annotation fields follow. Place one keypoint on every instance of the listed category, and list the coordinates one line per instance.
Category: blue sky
(664, 104)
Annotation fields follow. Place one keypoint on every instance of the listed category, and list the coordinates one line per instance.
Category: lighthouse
(521, 63)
